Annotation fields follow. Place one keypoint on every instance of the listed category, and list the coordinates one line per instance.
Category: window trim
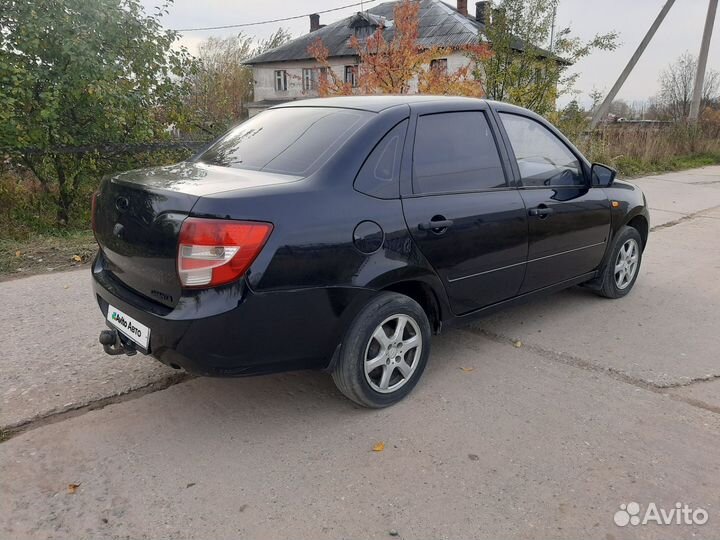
(284, 80)
(513, 159)
(354, 80)
(306, 79)
(440, 64)
(498, 146)
(315, 75)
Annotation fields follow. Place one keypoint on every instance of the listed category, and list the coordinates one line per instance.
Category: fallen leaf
(467, 369)
(379, 447)
(518, 343)
(72, 488)
(77, 258)
(473, 457)
(18, 253)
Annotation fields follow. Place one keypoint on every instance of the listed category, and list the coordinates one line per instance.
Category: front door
(568, 220)
(467, 220)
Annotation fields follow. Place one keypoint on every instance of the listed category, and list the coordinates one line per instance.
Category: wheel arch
(425, 295)
(640, 223)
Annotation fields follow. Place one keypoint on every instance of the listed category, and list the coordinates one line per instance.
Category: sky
(681, 31)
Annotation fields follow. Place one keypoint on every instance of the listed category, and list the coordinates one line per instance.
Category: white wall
(264, 76)
(455, 61)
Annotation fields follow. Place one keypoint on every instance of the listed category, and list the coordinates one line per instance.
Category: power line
(273, 20)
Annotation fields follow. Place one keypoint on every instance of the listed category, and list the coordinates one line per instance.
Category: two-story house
(289, 72)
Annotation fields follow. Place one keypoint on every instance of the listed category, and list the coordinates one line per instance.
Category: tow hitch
(114, 343)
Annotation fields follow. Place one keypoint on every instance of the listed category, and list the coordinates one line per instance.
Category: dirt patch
(43, 254)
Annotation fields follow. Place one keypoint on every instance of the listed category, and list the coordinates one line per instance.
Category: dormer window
(365, 24)
(364, 31)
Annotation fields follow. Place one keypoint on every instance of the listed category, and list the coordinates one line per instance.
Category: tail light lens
(214, 251)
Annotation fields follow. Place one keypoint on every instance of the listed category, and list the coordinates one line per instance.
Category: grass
(633, 167)
(45, 253)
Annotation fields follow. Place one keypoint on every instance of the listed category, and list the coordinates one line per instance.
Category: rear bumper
(232, 331)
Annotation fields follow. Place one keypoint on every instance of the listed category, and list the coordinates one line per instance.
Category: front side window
(543, 159)
(280, 80)
(292, 140)
(455, 152)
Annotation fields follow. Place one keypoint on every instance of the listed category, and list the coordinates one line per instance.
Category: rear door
(467, 219)
(569, 222)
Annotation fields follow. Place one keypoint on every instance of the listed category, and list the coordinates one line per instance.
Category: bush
(28, 207)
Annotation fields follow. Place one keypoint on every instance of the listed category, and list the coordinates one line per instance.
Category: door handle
(436, 225)
(541, 211)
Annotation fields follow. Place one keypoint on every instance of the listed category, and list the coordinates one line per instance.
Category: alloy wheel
(393, 353)
(626, 263)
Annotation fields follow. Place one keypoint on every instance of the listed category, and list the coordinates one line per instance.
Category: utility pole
(603, 109)
(702, 61)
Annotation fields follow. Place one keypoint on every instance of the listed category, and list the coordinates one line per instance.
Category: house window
(280, 80)
(311, 77)
(439, 64)
(362, 32)
(308, 79)
(351, 75)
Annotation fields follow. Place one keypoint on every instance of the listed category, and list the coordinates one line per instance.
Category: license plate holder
(129, 327)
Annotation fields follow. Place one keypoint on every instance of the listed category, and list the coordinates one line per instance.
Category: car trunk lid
(138, 216)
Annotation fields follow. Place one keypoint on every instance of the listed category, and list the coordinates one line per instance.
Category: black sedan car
(340, 233)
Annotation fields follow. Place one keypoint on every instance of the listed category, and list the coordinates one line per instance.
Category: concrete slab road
(518, 447)
(603, 403)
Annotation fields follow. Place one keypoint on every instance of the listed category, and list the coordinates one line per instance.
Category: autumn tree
(521, 69)
(391, 66)
(222, 86)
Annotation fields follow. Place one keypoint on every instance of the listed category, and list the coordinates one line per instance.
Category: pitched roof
(439, 25)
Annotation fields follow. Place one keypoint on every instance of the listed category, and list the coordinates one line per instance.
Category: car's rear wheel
(623, 266)
(384, 352)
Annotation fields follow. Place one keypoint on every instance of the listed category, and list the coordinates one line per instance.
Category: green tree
(521, 69)
(82, 73)
(222, 85)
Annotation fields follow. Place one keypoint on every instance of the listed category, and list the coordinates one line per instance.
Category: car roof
(374, 103)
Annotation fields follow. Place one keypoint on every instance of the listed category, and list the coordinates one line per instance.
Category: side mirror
(602, 175)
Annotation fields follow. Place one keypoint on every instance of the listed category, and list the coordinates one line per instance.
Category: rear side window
(380, 174)
(543, 159)
(294, 141)
(455, 152)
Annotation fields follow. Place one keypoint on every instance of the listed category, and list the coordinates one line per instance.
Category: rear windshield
(296, 140)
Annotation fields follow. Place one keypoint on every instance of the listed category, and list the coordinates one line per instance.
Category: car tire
(623, 266)
(384, 351)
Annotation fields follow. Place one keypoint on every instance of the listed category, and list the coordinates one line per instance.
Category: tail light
(213, 252)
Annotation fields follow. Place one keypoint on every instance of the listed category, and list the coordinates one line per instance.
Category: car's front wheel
(623, 266)
(384, 352)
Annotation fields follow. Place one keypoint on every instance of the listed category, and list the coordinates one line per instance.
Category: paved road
(604, 403)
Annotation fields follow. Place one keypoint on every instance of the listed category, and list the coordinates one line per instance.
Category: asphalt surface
(602, 403)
